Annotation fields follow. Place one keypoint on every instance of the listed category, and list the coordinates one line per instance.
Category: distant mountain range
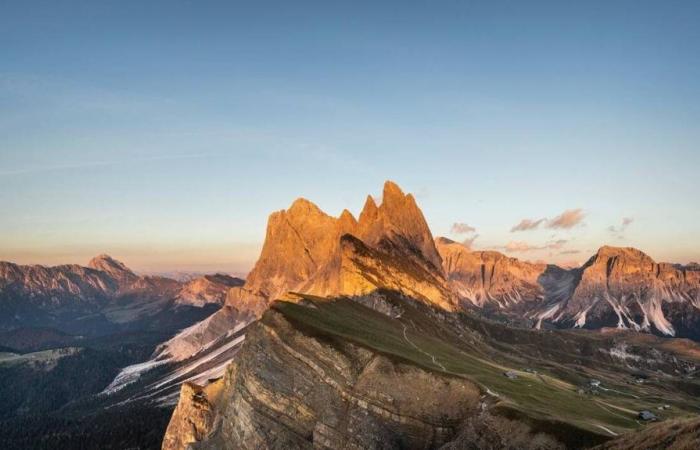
(104, 297)
(617, 287)
(65, 334)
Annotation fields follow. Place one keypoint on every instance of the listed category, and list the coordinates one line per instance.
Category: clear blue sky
(165, 133)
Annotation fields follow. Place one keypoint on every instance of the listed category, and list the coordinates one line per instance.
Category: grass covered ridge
(453, 348)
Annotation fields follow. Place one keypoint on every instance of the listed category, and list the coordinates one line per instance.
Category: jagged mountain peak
(399, 220)
(303, 244)
(481, 277)
(391, 191)
(304, 207)
(369, 211)
(441, 240)
(608, 251)
(346, 219)
(111, 266)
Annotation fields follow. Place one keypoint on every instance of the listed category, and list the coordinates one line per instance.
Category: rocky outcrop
(487, 277)
(625, 288)
(617, 287)
(287, 389)
(307, 250)
(115, 269)
(361, 271)
(207, 289)
(194, 415)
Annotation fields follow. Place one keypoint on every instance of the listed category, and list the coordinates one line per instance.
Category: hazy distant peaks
(111, 266)
(610, 251)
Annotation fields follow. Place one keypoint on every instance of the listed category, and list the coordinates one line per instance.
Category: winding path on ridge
(435, 361)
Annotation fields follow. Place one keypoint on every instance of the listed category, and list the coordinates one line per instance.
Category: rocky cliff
(307, 250)
(291, 390)
(488, 277)
(373, 349)
(625, 288)
(617, 287)
(390, 247)
(207, 289)
(332, 373)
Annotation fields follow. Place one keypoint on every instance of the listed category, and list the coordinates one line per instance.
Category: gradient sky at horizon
(165, 133)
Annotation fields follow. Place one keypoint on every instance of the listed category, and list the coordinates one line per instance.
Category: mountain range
(369, 332)
(351, 325)
(106, 296)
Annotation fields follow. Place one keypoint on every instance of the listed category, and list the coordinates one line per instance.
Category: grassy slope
(417, 338)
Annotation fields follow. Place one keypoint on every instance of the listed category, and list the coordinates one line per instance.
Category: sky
(165, 133)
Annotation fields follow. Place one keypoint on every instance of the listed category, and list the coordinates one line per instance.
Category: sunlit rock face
(488, 277)
(617, 287)
(625, 288)
(306, 250)
(207, 289)
(290, 390)
(194, 415)
(115, 269)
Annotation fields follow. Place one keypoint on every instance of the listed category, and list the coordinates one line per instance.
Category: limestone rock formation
(304, 244)
(115, 269)
(617, 287)
(482, 277)
(194, 415)
(207, 289)
(668, 435)
(308, 251)
(55, 285)
(625, 288)
(290, 390)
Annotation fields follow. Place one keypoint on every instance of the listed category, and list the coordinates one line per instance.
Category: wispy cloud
(527, 224)
(523, 247)
(620, 230)
(465, 229)
(626, 221)
(568, 219)
(95, 164)
(461, 228)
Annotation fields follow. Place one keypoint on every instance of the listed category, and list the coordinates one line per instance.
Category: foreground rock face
(288, 390)
(193, 417)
